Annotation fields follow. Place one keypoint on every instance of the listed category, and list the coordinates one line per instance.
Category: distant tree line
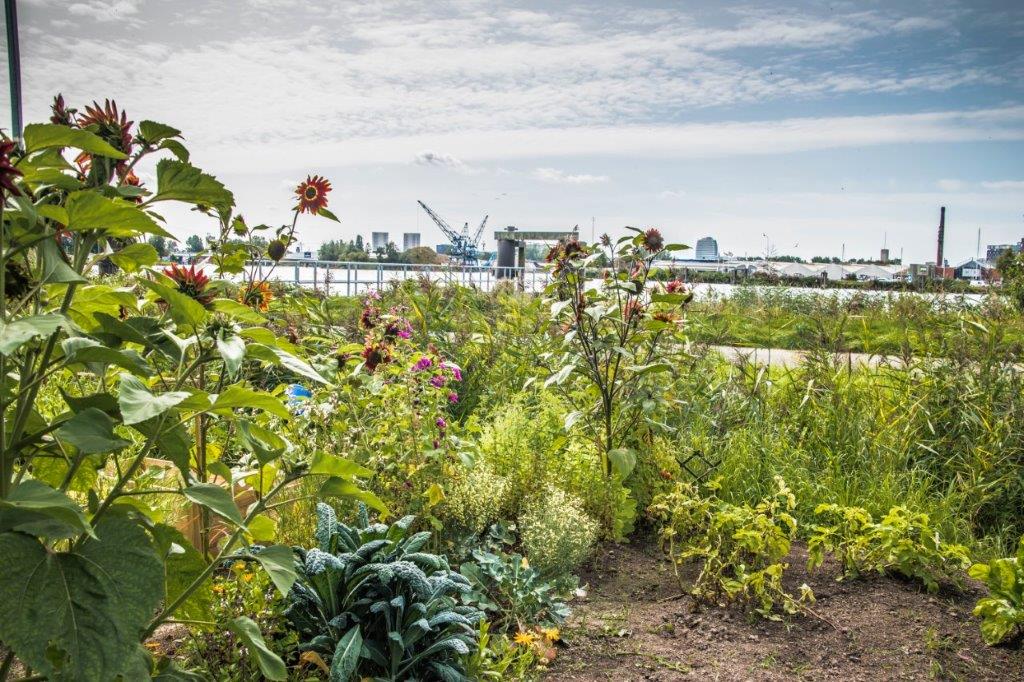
(355, 251)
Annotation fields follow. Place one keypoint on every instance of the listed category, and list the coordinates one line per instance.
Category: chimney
(885, 256)
(942, 236)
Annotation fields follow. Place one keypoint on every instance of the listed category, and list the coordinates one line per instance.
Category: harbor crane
(464, 247)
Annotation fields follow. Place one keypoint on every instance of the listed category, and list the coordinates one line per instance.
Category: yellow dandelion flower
(247, 577)
(524, 564)
(525, 638)
(551, 634)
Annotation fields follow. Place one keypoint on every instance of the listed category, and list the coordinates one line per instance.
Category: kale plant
(370, 601)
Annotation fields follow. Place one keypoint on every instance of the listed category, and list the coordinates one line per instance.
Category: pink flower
(453, 397)
(422, 364)
(405, 333)
(437, 381)
(456, 372)
(441, 423)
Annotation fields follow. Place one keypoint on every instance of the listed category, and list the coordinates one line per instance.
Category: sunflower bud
(276, 250)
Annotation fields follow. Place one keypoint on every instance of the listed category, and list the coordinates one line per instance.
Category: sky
(815, 128)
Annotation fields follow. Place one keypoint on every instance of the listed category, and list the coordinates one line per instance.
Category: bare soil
(630, 627)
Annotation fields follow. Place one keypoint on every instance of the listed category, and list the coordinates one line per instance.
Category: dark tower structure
(942, 237)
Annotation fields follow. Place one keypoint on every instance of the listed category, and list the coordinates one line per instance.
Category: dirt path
(889, 630)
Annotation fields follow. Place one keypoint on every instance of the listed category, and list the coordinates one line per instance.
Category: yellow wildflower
(525, 638)
(247, 577)
(524, 564)
(551, 634)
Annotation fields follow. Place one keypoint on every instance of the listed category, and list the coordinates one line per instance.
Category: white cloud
(1012, 185)
(558, 176)
(951, 185)
(105, 10)
(672, 194)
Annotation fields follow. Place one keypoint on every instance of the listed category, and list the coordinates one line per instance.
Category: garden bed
(632, 626)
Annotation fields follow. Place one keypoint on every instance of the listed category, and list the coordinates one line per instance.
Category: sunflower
(313, 194)
(653, 241)
(256, 296)
(191, 282)
(7, 171)
(110, 124)
(60, 113)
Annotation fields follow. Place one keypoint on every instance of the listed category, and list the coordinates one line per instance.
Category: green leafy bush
(508, 589)
(368, 599)
(740, 548)
(474, 499)
(903, 542)
(1002, 611)
(556, 533)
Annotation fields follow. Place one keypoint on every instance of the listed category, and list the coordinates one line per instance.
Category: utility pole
(13, 65)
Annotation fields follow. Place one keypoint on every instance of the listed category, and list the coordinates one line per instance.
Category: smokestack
(942, 236)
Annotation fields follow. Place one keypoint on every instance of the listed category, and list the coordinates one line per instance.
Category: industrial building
(378, 240)
(993, 251)
(707, 249)
(410, 240)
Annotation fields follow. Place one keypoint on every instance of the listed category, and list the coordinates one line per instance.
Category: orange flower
(256, 296)
(525, 638)
(313, 194)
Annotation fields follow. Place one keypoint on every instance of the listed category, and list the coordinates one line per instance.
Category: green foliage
(509, 590)
(556, 534)
(372, 584)
(1002, 610)
(474, 499)
(1011, 267)
(740, 548)
(901, 542)
(498, 658)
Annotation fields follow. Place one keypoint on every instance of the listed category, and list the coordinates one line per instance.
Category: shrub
(556, 533)
(370, 600)
(902, 542)
(1002, 611)
(740, 548)
(511, 591)
(474, 499)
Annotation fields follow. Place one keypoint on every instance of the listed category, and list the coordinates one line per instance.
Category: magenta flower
(441, 423)
(422, 364)
(437, 381)
(405, 333)
(453, 397)
(456, 372)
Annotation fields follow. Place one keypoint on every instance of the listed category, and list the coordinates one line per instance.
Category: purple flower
(437, 381)
(422, 364)
(453, 397)
(441, 423)
(456, 372)
(405, 333)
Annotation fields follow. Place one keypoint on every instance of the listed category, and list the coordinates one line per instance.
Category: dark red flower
(674, 287)
(60, 114)
(368, 318)
(191, 282)
(653, 241)
(632, 309)
(376, 354)
(7, 171)
(313, 194)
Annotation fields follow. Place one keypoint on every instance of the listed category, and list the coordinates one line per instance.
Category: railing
(352, 278)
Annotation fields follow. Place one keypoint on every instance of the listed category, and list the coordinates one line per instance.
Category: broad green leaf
(115, 217)
(91, 431)
(232, 352)
(35, 508)
(623, 461)
(270, 664)
(279, 563)
(262, 529)
(49, 135)
(168, 671)
(138, 404)
(346, 656)
(216, 498)
(176, 148)
(327, 214)
(135, 256)
(237, 395)
(55, 268)
(236, 310)
(184, 309)
(14, 334)
(339, 487)
(179, 181)
(559, 376)
(153, 132)
(183, 564)
(77, 615)
(264, 443)
(277, 356)
(89, 352)
(332, 465)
